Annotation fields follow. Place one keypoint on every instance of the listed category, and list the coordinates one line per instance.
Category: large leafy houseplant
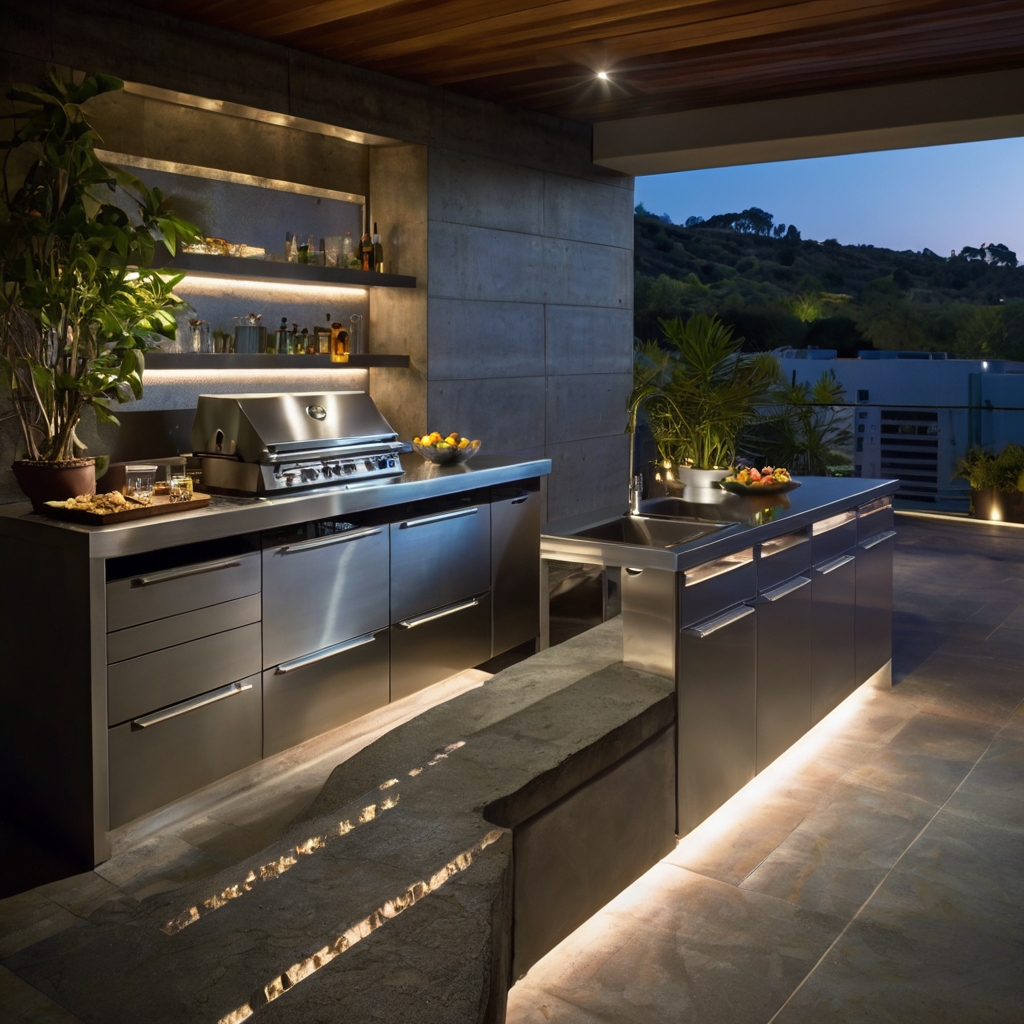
(699, 391)
(79, 300)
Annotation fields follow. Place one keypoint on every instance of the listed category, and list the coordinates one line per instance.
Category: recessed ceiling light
(603, 75)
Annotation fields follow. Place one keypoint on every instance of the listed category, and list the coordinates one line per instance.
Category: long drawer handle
(871, 542)
(519, 501)
(787, 588)
(191, 705)
(705, 629)
(439, 518)
(323, 542)
(180, 574)
(833, 522)
(422, 620)
(837, 563)
(780, 544)
(327, 652)
(709, 570)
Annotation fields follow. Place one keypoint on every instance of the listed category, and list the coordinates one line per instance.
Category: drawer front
(430, 648)
(874, 518)
(515, 569)
(833, 536)
(783, 557)
(833, 634)
(180, 629)
(141, 685)
(710, 588)
(173, 591)
(322, 591)
(321, 692)
(153, 762)
(439, 559)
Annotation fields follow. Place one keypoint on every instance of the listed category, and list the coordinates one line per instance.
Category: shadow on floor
(27, 861)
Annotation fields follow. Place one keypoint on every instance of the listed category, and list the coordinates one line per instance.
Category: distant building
(914, 413)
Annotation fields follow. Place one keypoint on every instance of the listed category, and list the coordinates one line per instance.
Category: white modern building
(914, 413)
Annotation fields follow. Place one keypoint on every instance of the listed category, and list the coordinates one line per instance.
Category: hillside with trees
(778, 289)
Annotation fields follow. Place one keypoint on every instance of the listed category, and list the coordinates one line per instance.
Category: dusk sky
(941, 198)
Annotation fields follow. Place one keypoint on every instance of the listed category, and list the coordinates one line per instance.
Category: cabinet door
(783, 668)
(515, 568)
(311, 695)
(874, 604)
(832, 634)
(439, 559)
(323, 590)
(428, 648)
(716, 712)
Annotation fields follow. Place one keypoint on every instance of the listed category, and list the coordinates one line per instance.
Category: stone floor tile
(28, 918)
(20, 1003)
(81, 894)
(943, 736)
(931, 779)
(530, 1004)
(221, 841)
(837, 856)
(159, 864)
(683, 947)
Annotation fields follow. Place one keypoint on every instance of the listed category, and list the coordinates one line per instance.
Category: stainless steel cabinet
(158, 757)
(874, 604)
(716, 712)
(324, 583)
(429, 647)
(832, 633)
(783, 667)
(515, 566)
(439, 558)
(321, 691)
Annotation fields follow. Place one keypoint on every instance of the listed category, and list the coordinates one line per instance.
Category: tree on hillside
(753, 221)
(997, 254)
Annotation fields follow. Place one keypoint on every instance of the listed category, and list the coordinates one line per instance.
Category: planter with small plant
(997, 483)
(79, 301)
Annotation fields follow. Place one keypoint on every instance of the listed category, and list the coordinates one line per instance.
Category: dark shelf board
(297, 273)
(235, 361)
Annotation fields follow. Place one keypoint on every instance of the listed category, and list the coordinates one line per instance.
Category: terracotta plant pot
(54, 481)
(998, 506)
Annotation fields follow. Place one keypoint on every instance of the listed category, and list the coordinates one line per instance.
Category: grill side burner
(278, 443)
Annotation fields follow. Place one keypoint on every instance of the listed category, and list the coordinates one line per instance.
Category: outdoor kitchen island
(765, 611)
(204, 641)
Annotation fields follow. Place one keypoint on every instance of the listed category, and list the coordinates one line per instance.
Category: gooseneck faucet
(636, 480)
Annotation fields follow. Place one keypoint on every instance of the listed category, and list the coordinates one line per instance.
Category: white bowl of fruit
(751, 480)
(445, 451)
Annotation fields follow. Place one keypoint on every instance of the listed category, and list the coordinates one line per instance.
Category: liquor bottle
(280, 339)
(303, 252)
(366, 252)
(322, 254)
(378, 251)
(291, 250)
(302, 342)
(339, 343)
(323, 338)
(347, 256)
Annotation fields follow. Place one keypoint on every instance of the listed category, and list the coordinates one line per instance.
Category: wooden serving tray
(162, 506)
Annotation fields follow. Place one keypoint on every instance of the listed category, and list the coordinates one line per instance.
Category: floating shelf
(237, 361)
(293, 273)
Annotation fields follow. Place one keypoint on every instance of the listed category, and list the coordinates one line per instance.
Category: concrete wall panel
(587, 339)
(582, 274)
(484, 193)
(588, 211)
(506, 414)
(481, 263)
(586, 405)
(485, 339)
(587, 474)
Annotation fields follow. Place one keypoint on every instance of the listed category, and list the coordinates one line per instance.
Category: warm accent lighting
(202, 284)
(603, 75)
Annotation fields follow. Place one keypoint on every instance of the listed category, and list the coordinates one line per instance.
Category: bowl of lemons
(445, 451)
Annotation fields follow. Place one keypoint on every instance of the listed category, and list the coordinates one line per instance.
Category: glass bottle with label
(378, 251)
(366, 252)
(323, 338)
(339, 343)
(347, 256)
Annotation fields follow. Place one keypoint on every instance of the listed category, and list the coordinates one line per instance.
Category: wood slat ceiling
(660, 56)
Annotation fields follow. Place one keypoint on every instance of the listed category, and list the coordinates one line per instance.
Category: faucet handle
(636, 490)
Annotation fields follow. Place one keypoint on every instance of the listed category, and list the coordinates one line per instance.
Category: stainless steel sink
(643, 531)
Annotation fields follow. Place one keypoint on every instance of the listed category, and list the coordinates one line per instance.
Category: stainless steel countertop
(751, 520)
(227, 517)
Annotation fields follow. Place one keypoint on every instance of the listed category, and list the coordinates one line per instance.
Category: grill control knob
(349, 468)
(310, 473)
(370, 464)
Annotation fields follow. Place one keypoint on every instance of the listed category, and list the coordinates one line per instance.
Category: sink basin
(732, 508)
(642, 531)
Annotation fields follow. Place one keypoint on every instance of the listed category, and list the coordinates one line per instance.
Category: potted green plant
(997, 483)
(79, 300)
(699, 393)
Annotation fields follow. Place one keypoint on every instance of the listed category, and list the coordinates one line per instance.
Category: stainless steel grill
(278, 443)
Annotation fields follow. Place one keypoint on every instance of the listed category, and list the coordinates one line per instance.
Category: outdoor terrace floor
(875, 873)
